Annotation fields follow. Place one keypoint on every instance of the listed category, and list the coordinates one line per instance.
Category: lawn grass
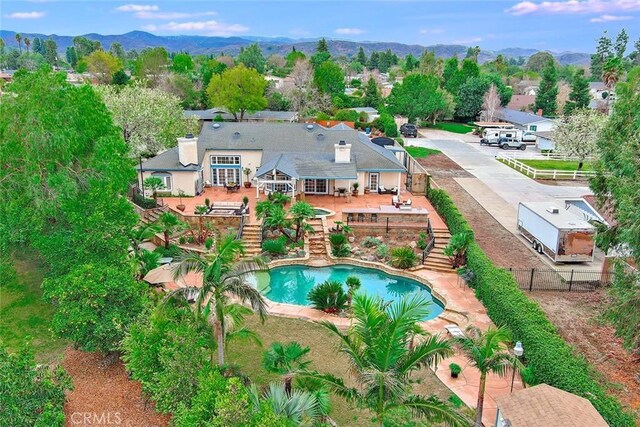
(420, 152)
(324, 357)
(453, 127)
(23, 314)
(561, 165)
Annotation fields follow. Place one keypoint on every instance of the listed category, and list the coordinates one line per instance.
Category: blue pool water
(291, 284)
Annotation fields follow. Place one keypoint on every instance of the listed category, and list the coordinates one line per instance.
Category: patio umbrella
(163, 276)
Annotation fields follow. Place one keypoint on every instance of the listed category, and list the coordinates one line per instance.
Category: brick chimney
(539, 112)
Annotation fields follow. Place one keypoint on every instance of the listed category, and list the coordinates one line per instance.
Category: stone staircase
(317, 245)
(150, 216)
(252, 239)
(437, 260)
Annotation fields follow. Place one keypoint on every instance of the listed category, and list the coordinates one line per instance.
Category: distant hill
(282, 45)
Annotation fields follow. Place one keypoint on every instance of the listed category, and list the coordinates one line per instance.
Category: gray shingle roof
(301, 166)
(519, 117)
(310, 147)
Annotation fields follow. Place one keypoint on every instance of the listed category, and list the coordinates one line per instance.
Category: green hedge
(552, 360)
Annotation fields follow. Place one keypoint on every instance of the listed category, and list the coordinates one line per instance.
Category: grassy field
(453, 127)
(324, 358)
(23, 314)
(561, 165)
(421, 152)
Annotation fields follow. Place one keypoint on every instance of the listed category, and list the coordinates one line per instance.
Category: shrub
(182, 240)
(275, 246)
(422, 241)
(328, 296)
(208, 243)
(455, 401)
(339, 245)
(382, 251)
(371, 242)
(174, 251)
(455, 368)
(143, 202)
(404, 257)
(550, 358)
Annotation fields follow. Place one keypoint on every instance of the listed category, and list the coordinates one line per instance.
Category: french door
(315, 186)
(222, 176)
(374, 181)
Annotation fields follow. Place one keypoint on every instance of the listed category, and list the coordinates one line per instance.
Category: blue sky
(557, 25)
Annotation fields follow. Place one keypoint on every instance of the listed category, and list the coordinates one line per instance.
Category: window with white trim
(166, 180)
(225, 160)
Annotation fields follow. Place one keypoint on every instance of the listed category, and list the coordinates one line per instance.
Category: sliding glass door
(316, 186)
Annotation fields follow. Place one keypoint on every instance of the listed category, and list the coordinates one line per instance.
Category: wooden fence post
(533, 270)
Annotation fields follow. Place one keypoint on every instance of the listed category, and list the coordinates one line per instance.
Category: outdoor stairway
(150, 216)
(437, 260)
(317, 245)
(252, 238)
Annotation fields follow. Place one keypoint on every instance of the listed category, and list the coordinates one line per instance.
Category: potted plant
(247, 183)
(181, 207)
(245, 201)
(355, 188)
(455, 370)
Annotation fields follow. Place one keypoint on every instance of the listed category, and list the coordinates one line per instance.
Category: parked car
(529, 137)
(507, 143)
(409, 130)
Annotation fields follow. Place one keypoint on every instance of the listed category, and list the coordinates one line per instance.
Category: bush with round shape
(339, 245)
(328, 296)
(404, 257)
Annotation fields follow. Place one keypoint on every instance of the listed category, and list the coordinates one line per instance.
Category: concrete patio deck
(335, 204)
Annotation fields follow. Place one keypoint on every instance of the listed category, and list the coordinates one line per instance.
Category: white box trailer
(552, 230)
(492, 135)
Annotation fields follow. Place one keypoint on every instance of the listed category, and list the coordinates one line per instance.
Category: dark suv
(409, 130)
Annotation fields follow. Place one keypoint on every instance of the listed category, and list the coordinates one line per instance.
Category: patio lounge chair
(455, 331)
(383, 190)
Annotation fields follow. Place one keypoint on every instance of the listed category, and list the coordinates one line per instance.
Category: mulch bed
(103, 395)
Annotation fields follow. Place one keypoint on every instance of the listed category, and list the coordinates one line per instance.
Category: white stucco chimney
(188, 150)
(343, 152)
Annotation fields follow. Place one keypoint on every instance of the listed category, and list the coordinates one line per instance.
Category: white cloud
(610, 18)
(470, 40)
(171, 15)
(431, 31)
(25, 15)
(212, 28)
(349, 31)
(137, 8)
(574, 6)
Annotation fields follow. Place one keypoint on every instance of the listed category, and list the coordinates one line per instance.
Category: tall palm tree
(377, 346)
(300, 213)
(19, 40)
(224, 277)
(169, 224)
(27, 43)
(488, 352)
(287, 360)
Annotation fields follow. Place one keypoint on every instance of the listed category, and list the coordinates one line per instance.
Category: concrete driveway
(496, 186)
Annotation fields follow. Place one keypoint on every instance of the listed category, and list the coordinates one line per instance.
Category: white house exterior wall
(543, 126)
(251, 159)
(185, 181)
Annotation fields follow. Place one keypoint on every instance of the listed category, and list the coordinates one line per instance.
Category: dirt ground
(504, 248)
(104, 395)
(575, 314)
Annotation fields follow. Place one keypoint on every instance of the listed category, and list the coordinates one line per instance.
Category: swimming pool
(320, 212)
(291, 284)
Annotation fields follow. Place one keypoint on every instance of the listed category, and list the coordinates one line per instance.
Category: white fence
(534, 173)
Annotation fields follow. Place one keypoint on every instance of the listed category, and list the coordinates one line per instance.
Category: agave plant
(300, 406)
(328, 296)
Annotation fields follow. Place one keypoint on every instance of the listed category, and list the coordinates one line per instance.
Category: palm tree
(377, 346)
(27, 43)
(300, 406)
(224, 277)
(300, 212)
(19, 40)
(353, 284)
(287, 360)
(141, 233)
(488, 352)
(169, 224)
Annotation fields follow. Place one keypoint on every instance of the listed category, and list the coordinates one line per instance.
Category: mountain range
(281, 45)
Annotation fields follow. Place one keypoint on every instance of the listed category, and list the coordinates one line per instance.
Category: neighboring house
(597, 89)
(293, 158)
(544, 140)
(277, 82)
(371, 112)
(525, 121)
(544, 405)
(522, 102)
(259, 116)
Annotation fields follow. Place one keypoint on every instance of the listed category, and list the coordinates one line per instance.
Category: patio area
(330, 202)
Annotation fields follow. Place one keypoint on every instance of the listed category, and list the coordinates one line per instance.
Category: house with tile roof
(293, 158)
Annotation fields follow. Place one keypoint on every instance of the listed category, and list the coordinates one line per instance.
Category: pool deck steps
(317, 245)
(437, 260)
(252, 238)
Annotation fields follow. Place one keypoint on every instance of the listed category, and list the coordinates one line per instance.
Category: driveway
(496, 186)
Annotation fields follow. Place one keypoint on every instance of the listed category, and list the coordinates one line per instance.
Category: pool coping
(309, 313)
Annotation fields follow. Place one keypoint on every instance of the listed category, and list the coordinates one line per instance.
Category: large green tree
(252, 57)
(547, 96)
(95, 305)
(329, 78)
(64, 172)
(579, 96)
(382, 362)
(239, 89)
(372, 96)
(470, 96)
(150, 119)
(414, 97)
(151, 64)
